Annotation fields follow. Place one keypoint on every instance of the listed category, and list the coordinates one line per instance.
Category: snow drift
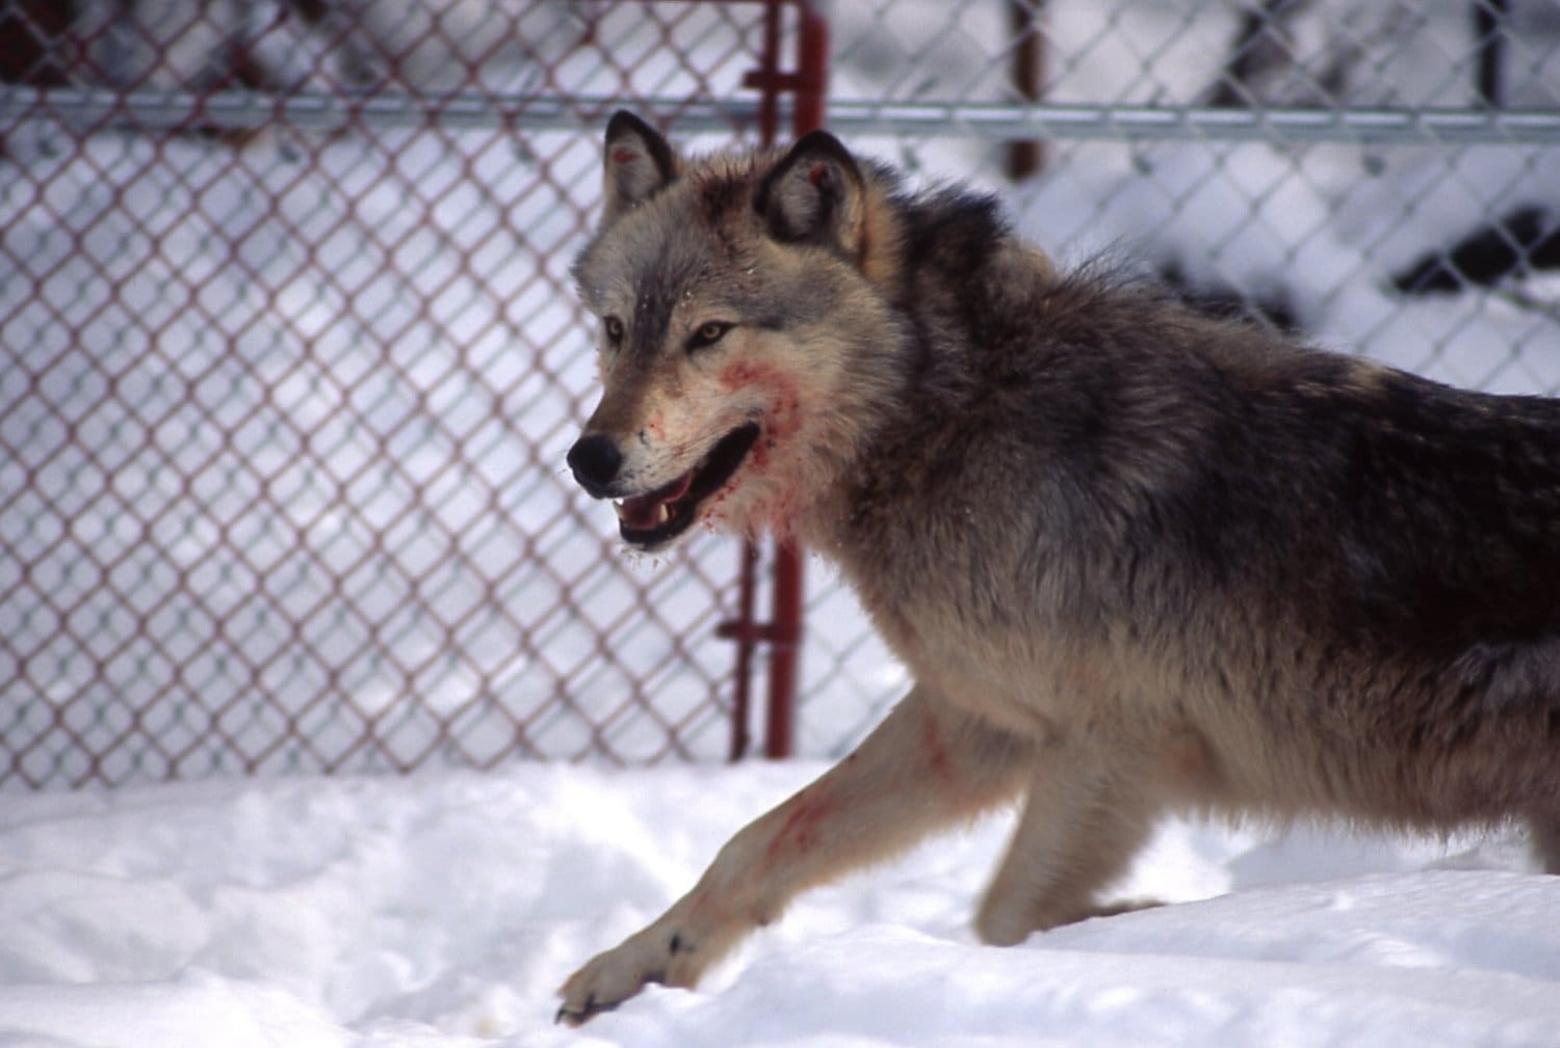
(445, 909)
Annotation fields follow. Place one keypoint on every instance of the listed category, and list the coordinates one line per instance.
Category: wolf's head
(744, 318)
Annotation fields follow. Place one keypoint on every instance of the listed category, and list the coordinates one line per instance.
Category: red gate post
(808, 84)
(1026, 157)
(811, 92)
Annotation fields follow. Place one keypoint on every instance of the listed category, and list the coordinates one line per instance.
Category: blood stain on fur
(800, 831)
(738, 375)
(775, 502)
(782, 410)
(936, 751)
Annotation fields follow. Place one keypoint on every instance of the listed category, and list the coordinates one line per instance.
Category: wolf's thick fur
(1136, 558)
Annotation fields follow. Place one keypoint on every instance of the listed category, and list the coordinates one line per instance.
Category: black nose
(595, 461)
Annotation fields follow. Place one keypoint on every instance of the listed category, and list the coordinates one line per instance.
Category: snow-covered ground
(444, 910)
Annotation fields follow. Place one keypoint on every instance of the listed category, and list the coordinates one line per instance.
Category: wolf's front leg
(925, 766)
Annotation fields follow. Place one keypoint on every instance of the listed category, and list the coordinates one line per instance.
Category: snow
(443, 909)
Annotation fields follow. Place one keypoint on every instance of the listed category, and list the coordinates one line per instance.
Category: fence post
(1488, 26)
(812, 59)
(783, 633)
(1025, 156)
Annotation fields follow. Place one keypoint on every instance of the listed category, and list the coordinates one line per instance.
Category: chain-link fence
(289, 361)
(290, 356)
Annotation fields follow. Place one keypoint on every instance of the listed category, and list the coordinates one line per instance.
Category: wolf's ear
(816, 193)
(638, 163)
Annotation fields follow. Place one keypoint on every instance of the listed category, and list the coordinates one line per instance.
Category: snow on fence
(290, 354)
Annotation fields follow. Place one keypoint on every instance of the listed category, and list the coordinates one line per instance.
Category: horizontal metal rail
(246, 110)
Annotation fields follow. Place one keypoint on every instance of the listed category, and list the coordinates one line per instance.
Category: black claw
(587, 1012)
(676, 944)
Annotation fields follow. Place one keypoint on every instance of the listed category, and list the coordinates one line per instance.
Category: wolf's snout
(595, 460)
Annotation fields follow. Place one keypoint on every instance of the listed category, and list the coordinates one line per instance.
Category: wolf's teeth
(666, 512)
(617, 504)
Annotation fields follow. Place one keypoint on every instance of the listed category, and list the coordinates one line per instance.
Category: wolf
(1138, 559)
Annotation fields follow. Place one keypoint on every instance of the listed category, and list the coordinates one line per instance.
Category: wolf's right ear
(815, 193)
(638, 163)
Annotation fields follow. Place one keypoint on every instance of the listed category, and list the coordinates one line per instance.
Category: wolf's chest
(1030, 685)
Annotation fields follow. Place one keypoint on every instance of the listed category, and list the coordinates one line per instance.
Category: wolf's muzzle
(595, 460)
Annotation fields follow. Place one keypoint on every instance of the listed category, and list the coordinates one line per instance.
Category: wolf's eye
(709, 333)
(614, 328)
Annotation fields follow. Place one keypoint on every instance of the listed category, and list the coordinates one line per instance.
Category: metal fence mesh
(290, 356)
(283, 410)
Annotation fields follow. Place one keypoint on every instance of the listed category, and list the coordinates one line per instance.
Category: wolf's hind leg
(926, 766)
(1545, 830)
(1079, 829)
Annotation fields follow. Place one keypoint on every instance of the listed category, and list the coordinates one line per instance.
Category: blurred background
(289, 356)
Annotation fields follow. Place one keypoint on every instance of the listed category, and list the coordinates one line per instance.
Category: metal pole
(1025, 156)
(1488, 16)
(812, 71)
(743, 633)
(100, 109)
(746, 633)
(744, 630)
(812, 68)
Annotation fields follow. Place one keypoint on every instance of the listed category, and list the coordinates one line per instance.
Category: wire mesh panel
(1383, 178)
(291, 359)
(284, 401)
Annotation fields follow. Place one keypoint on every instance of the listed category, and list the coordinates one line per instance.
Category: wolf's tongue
(644, 511)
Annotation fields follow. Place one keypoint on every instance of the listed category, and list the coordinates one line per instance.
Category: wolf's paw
(1001, 923)
(613, 977)
(1120, 906)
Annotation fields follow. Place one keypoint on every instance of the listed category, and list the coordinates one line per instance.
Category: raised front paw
(613, 977)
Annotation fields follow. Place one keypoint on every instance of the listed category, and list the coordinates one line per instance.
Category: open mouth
(651, 519)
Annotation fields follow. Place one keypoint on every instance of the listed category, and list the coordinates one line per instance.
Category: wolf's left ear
(816, 193)
(638, 163)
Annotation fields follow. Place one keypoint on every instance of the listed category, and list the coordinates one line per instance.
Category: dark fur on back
(1181, 473)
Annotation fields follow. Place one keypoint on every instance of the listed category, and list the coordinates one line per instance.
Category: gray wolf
(1138, 559)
